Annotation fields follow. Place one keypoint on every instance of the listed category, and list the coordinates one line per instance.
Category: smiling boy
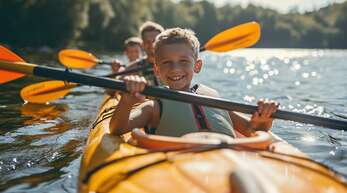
(133, 48)
(176, 60)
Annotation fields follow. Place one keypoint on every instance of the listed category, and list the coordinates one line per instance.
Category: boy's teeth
(176, 77)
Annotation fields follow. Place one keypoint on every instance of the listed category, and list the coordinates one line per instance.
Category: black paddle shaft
(187, 97)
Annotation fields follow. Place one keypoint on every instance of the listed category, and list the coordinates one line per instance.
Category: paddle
(9, 63)
(46, 91)
(79, 59)
(241, 36)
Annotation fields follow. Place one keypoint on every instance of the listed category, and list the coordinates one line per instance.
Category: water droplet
(232, 70)
(225, 71)
(305, 75)
(55, 154)
(297, 83)
(29, 164)
(308, 138)
(248, 98)
(253, 72)
(276, 72)
(229, 63)
(332, 153)
(255, 81)
(250, 67)
(295, 67)
(265, 67)
(308, 107)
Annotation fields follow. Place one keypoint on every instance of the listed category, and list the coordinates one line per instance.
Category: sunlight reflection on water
(305, 81)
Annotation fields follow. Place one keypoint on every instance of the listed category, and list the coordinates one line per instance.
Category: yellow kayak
(199, 162)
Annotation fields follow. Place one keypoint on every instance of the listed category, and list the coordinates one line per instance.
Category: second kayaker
(176, 60)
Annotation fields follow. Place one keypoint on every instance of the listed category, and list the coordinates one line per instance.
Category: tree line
(105, 24)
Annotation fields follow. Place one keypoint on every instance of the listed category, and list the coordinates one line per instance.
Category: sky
(282, 6)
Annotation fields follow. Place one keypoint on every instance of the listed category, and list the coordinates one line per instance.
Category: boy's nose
(175, 65)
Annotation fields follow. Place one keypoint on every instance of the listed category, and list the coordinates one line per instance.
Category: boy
(132, 49)
(148, 31)
(176, 60)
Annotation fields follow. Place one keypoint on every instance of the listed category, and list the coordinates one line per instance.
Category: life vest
(178, 118)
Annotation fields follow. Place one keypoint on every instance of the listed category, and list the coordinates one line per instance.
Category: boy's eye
(166, 62)
(185, 61)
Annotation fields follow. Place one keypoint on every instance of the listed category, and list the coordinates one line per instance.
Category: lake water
(41, 145)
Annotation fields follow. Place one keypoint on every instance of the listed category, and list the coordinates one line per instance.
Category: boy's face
(175, 66)
(133, 52)
(148, 40)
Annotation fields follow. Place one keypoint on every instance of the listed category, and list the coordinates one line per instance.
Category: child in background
(133, 51)
(133, 48)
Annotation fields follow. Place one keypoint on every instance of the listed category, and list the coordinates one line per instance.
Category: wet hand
(261, 119)
(115, 66)
(135, 85)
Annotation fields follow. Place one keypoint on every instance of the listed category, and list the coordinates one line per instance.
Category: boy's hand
(115, 66)
(134, 85)
(261, 119)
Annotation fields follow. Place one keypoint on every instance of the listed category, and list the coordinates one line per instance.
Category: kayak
(197, 162)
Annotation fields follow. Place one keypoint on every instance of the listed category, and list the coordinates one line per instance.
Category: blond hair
(177, 35)
(132, 41)
(149, 26)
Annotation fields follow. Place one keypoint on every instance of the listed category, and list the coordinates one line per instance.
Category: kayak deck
(110, 164)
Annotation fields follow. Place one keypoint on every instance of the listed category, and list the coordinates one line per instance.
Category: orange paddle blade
(47, 91)
(77, 59)
(241, 36)
(7, 55)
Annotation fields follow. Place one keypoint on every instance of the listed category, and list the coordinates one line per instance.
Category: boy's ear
(156, 69)
(198, 66)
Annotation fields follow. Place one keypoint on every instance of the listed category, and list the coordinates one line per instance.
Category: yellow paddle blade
(7, 55)
(241, 36)
(44, 92)
(77, 59)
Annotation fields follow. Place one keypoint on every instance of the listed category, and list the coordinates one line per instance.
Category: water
(41, 145)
